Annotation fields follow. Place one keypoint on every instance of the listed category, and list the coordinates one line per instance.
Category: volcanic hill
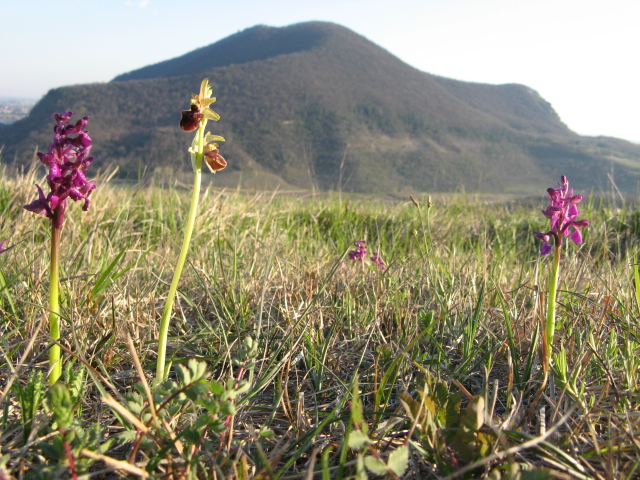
(317, 105)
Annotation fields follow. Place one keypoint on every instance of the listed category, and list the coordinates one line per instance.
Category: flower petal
(213, 138)
(210, 114)
(545, 249)
(576, 236)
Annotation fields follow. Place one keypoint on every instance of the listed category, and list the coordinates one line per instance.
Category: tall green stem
(188, 230)
(636, 276)
(55, 362)
(550, 325)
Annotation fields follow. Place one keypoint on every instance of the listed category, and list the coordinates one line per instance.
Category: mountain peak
(259, 42)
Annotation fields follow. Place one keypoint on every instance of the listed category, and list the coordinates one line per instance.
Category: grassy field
(292, 361)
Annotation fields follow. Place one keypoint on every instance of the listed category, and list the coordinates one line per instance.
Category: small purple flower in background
(68, 159)
(563, 214)
(2, 246)
(378, 260)
(360, 253)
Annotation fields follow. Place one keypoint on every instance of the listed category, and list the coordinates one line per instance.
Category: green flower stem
(188, 230)
(550, 325)
(55, 362)
(636, 276)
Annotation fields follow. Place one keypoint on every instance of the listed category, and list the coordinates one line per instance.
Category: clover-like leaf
(358, 439)
(198, 369)
(375, 465)
(399, 460)
(216, 388)
(184, 375)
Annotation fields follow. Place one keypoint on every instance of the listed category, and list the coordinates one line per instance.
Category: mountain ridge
(317, 105)
(252, 44)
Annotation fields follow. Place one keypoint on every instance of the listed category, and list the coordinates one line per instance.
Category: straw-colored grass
(429, 369)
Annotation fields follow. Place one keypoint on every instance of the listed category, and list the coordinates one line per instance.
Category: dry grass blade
(115, 464)
(113, 403)
(142, 377)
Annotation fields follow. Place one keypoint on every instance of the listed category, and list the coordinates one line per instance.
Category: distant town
(13, 109)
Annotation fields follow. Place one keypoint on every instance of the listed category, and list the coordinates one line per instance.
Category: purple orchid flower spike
(360, 252)
(68, 159)
(563, 214)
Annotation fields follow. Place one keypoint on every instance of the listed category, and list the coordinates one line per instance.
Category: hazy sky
(581, 55)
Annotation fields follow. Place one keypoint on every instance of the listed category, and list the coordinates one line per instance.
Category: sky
(579, 55)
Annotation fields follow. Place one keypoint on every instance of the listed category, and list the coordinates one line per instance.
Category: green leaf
(216, 388)
(4, 288)
(265, 433)
(441, 393)
(183, 374)
(358, 440)
(135, 408)
(411, 406)
(453, 410)
(211, 405)
(473, 416)
(242, 388)
(419, 413)
(107, 275)
(228, 408)
(361, 472)
(356, 405)
(106, 445)
(192, 436)
(196, 390)
(399, 460)
(62, 405)
(536, 474)
(102, 281)
(375, 465)
(198, 369)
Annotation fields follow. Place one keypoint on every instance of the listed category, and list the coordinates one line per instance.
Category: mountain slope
(256, 43)
(315, 104)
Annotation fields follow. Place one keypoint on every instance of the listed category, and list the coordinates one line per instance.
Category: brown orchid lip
(191, 119)
(215, 160)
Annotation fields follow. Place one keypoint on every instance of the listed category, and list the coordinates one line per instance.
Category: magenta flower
(563, 214)
(3, 246)
(68, 159)
(360, 252)
(378, 260)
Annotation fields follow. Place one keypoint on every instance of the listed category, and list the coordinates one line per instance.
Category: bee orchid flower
(203, 149)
